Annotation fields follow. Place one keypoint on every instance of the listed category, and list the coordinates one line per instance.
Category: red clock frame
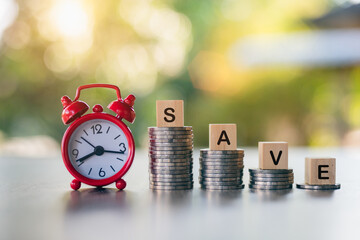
(75, 125)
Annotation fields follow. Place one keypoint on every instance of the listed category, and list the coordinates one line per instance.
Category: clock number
(96, 129)
(75, 152)
(122, 147)
(102, 173)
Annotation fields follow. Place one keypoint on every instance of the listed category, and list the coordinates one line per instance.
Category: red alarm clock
(98, 148)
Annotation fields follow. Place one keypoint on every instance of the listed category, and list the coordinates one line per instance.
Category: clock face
(98, 149)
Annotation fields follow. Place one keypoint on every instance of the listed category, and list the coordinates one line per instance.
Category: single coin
(265, 187)
(272, 175)
(172, 144)
(169, 128)
(159, 179)
(171, 136)
(271, 171)
(222, 179)
(221, 152)
(164, 160)
(271, 183)
(221, 183)
(219, 171)
(189, 183)
(275, 179)
(170, 156)
(183, 164)
(171, 188)
(162, 133)
(222, 187)
(166, 153)
(166, 168)
(188, 148)
(225, 168)
(167, 172)
(171, 140)
(319, 187)
(221, 175)
(172, 176)
(220, 161)
(222, 156)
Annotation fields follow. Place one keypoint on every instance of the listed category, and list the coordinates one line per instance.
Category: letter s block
(170, 113)
(273, 155)
(222, 137)
(320, 171)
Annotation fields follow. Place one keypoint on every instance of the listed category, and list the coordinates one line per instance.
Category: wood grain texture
(170, 113)
(320, 171)
(273, 155)
(222, 137)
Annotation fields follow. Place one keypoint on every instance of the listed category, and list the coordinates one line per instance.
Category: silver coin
(221, 175)
(170, 156)
(266, 187)
(171, 168)
(272, 175)
(220, 171)
(169, 132)
(271, 171)
(171, 183)
(159, 179)
(171, 136)
(275, 179)
(221, 152)
(156, 164)
(172, 144)
(171, 188)
(217, 179)
(169, 128)
(222, 187)
(167, 172)
(164, 160)
(219, 156)
(225, 168)
(175, 152)
(221, 183)
(271, 183)
(172, 176)
(319, 187)
(220, 161)
(189, 148)
(171, 140)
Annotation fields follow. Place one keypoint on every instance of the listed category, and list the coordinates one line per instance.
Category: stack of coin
(271, 179)
(221, 170)
(170, 158)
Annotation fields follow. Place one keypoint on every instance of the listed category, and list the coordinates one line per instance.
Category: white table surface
(36, 202)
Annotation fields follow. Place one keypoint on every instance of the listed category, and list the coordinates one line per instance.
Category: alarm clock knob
(98, 108)
(72, 110)
(123, 108)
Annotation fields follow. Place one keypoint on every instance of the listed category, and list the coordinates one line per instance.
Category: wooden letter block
(273, 155)
(320, 171)
(170, 113)
(222, 137)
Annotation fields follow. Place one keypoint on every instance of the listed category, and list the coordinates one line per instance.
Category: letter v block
(170, 113)
(273, 155)
(320, 171)
(222, 137)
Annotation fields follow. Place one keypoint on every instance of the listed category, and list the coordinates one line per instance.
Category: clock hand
(85, 157)
(87, 142)
(121, 152)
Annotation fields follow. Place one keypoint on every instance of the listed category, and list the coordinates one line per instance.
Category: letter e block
(170, 113)
(273, 155)
(222, 137)
(320, 171)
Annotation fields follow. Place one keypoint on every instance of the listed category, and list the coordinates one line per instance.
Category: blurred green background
(279, 69)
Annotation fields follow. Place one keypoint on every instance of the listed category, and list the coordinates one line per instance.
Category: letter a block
(273, 155)
(170, 113)
(222, 137)
(320, 171)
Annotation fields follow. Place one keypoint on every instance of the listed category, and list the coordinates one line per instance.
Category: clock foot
(121, 184)
(75, 184)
